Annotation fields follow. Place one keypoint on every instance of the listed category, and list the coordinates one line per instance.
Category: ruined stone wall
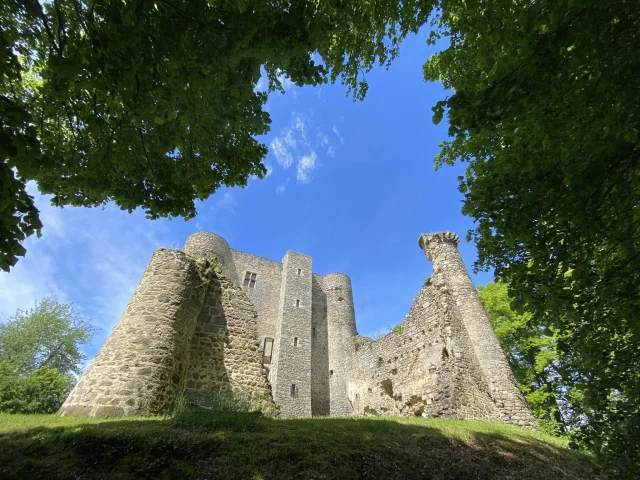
(320, 400)
(441, 248)
(224, 348)
(423, 366)
(141, 367)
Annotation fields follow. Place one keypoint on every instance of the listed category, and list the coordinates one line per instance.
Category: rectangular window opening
(313, 332)
(250, 280)
(299, 271)
(295, 341)
(267, 350)
(297, 303)
(294, 391)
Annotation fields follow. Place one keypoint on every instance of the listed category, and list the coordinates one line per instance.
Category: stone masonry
(277, 331)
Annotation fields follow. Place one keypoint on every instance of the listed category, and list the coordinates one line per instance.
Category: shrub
(43, 391)
(398, 329)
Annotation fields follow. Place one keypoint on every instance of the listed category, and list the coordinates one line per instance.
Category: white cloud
(323, 139)
(298, 122)
(296, 141)
(288, 138)
(306, 166)
(280, 150)
(269, 168)
(337, 133)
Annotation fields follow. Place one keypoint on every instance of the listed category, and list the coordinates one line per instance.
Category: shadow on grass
(246, 446)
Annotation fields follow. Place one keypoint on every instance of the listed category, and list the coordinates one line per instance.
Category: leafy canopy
(545, 111)
(152, 103)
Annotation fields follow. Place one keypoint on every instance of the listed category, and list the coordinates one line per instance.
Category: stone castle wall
(265, 296)
(182, 332)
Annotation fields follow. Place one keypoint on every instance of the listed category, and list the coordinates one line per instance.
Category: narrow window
(295, 341)
(294, 391)
(267, 350)
(331, 373)
(297, 303)
(299, 271)
(250, 279)
(313, 332)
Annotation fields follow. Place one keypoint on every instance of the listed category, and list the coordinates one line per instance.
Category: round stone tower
(341, 329)
(210, 245)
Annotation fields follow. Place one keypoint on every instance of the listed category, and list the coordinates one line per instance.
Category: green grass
(243, 446)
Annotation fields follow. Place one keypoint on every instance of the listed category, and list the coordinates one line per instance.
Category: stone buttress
(179, 331)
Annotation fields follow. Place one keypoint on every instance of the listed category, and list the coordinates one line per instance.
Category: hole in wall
(387, 387)
(445, 354)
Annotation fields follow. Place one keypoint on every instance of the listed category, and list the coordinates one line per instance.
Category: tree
(39, 355)
(545, 112)
(152, 103)
(532, 354)
(47, 336)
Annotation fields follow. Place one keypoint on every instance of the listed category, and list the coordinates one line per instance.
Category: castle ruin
(276, 330)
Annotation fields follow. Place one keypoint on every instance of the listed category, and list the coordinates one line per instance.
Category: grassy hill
(242, 446)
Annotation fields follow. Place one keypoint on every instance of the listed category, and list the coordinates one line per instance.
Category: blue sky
(351, 184)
